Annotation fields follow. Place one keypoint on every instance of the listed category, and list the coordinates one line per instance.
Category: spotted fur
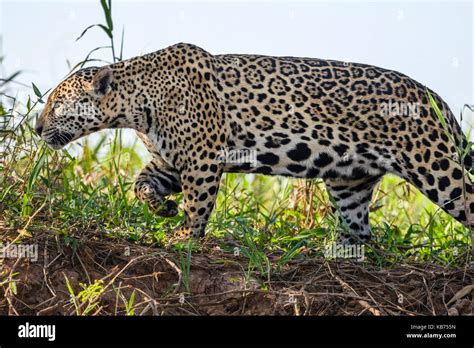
(300, 117)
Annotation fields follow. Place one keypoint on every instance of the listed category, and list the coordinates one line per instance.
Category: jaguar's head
(73, 108)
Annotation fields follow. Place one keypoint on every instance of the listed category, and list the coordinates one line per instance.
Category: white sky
(429, 41)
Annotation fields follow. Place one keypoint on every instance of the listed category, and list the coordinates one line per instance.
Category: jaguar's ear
(101, 82)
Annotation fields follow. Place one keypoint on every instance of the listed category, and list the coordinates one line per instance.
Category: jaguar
(346, 123)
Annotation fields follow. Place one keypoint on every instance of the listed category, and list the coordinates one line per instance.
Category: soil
(218, 283)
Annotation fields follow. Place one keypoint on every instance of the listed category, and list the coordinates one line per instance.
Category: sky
(430, 41)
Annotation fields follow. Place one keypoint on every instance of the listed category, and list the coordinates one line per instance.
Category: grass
(89, 188)
(70, 194)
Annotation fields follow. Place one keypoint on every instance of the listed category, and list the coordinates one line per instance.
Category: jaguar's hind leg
(154, 183)
(443, 181)
(352, 198)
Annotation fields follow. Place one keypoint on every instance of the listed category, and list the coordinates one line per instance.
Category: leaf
(467, 149)
(461, 293)
(88, 59)
(36, 90)
(90, 308)
(25, 209)
(107, 7)
(90, 27)
(84, 62)
(69, 287)
(439, 115)
(3, 82)
(13, 287)
(107, 30)
(36, 170)
(4, 193)
(130, 304)
(121, 45)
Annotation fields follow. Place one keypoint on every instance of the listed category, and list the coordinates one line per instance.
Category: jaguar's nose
(39, 127)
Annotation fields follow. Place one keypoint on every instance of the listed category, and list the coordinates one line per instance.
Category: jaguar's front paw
(187, 232)
(182, 233)
(167, 209)
(353, 239)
